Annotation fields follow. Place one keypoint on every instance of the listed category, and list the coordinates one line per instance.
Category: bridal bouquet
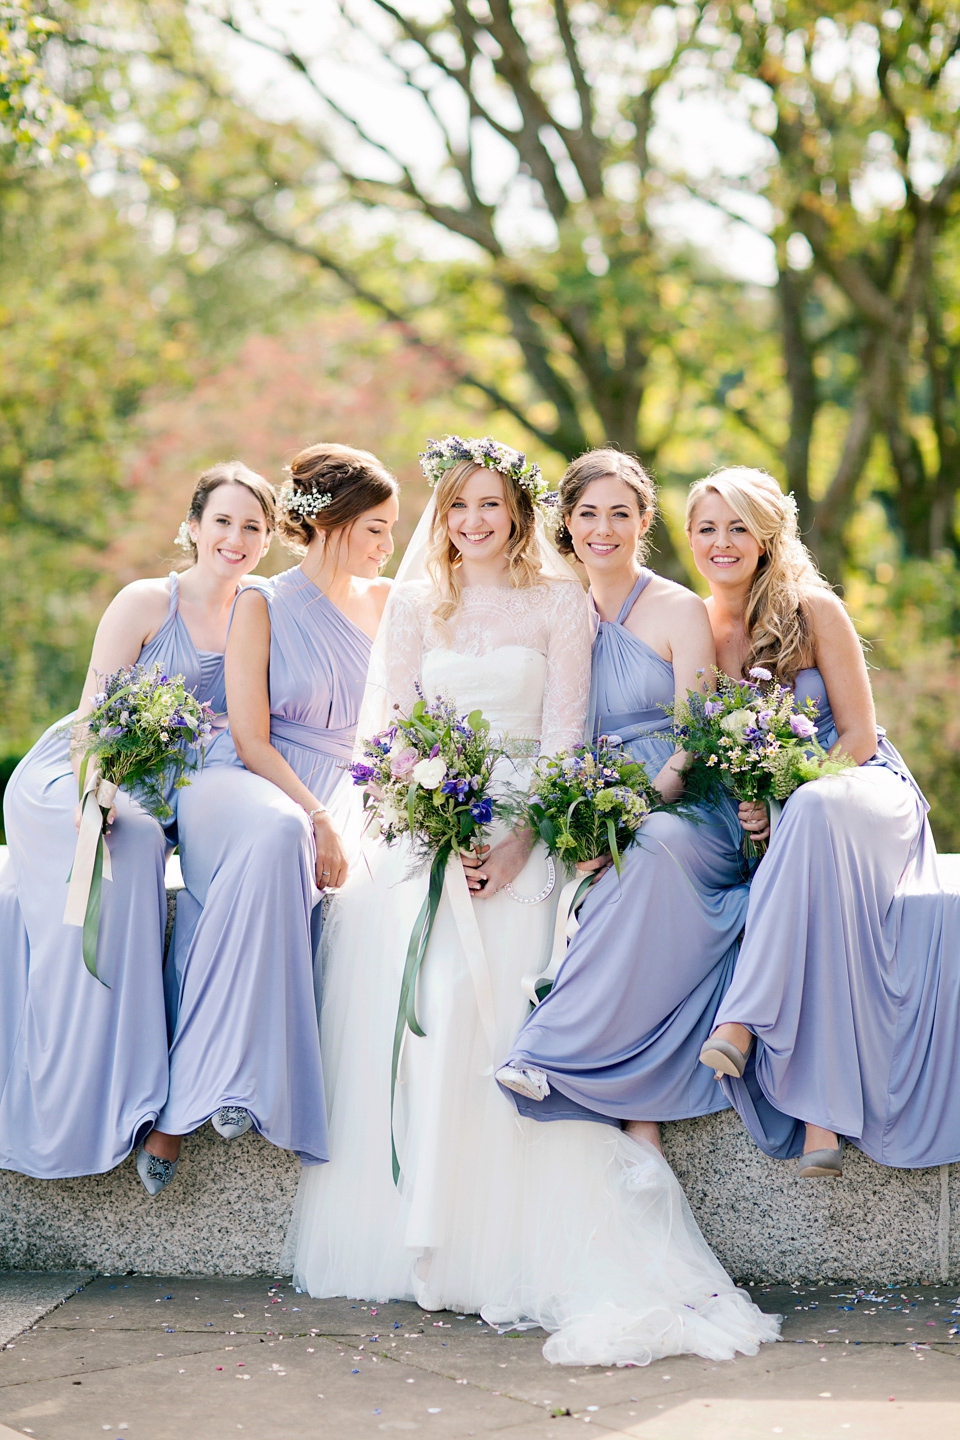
(428, 776)
(141, 730)
(751, 738)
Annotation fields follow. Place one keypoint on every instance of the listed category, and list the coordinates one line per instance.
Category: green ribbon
(407, 1007)
(91, 920)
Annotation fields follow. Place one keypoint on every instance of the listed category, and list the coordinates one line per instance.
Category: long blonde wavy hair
(776, 621)
(443, 557)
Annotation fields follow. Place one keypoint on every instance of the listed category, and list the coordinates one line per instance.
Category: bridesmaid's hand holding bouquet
(141, 730)
(751, 738)
(589, 803)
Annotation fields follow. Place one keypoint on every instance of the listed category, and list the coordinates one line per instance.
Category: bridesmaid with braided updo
(257, 845)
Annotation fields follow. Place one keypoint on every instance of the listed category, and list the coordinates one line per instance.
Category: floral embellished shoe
(525, 1080)
(155, 1172)
(231, 1121)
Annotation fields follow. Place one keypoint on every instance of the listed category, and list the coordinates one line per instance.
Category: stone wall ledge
(227, 1210)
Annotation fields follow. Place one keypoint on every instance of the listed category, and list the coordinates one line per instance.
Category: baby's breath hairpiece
(443, 455)
(183, 537)
(298, 502)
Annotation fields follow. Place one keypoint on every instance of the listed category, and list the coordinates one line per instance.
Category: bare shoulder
(683, 604)
(826, 612)
(142, 604)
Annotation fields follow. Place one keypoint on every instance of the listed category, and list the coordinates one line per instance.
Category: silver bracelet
(320, 810)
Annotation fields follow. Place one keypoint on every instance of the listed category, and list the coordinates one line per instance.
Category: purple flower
(760, 673)
(361, 773)
(713, 708)
(802, 726)
(482, 810)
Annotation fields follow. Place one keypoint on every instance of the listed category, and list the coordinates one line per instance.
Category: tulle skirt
(574, 1226)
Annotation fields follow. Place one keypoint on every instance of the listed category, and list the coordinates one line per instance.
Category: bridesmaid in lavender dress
(618, 1036)
(83, 1067)
(843, 1017)
(257, 844)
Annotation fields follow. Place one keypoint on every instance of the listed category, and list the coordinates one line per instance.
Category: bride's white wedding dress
(570, 1224)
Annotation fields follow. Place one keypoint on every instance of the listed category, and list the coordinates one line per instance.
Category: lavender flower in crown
(452, 450)
(298, 502)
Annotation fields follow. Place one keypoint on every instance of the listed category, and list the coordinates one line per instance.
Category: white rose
(429, 773)
(737, 722)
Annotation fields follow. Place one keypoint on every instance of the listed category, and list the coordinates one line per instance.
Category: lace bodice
(520, 656)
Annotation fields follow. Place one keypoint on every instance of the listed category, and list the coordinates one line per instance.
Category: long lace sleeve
(568, 670)
(403, 643)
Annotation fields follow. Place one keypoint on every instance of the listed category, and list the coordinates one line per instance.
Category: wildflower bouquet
(583, 805)
(140, 732)
(428, 776)
(752, 739)
(589, 802)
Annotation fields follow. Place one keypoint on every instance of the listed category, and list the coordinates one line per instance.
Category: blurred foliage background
(707, 233)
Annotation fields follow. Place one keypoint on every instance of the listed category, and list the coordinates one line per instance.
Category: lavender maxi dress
(241, 998)
(849, 973)
(83, 1068)
(619, 1034)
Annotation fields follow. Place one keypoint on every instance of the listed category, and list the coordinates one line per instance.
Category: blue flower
(482, 810)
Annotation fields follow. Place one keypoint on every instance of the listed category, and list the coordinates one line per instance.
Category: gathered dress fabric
(849, 971)
(241, 996)
(83, 1067)
(619, 1034)
(575, 1227)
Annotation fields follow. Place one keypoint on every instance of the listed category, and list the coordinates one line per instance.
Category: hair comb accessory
(296, 502)
(452, 450)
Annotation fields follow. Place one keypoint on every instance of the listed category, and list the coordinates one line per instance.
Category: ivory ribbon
(564, 929)
(774, 810)
(458, 893)
(99, 795)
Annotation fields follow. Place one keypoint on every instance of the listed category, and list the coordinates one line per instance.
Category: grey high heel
(155, 1172)
(231, 1121)
(828, 1163)
(724, 1056)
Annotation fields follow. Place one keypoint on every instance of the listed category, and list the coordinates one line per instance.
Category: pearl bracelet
(320, 810)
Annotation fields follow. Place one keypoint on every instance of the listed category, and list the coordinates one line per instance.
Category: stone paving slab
(25, 1296)
(147, 1358)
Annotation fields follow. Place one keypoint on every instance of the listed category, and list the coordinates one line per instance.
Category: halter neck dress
(83, 1068)
(619, 1034)
(849, 972)
(242, 1005)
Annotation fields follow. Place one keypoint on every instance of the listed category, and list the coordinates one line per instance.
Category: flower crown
(299, 502)
(452, 450)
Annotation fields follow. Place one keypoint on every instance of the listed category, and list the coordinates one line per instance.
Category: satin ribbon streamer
(536, 987)
(91, 864)
(446, 877)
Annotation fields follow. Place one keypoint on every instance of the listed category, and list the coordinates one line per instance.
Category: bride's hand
(331, 859)
(754, 820)
(502, 864)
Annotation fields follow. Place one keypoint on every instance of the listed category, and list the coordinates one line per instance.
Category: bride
(577, 1227)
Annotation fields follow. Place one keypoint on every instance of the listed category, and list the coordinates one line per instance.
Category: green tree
(80, 342)
(863, 182)
(35, 120)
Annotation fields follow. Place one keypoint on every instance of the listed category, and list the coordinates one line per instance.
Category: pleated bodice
(630, 685)
(318, 669)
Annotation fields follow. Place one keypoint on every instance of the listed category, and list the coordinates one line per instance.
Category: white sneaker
(524, 1080)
